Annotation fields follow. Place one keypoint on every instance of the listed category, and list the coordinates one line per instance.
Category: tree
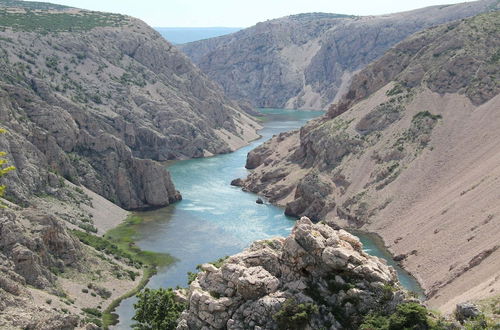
(157, 309)
(4, 169)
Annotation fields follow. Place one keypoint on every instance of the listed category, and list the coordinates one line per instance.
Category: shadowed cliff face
(97, 98)
(307, 61)
(410, 152)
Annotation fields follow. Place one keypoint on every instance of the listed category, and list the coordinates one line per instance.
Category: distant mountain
(183, 35)
(410, 152)
(305, 61)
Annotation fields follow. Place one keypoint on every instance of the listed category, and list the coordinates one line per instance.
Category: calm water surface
(215, 219)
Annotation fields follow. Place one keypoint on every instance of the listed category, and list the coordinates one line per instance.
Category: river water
(215, 219)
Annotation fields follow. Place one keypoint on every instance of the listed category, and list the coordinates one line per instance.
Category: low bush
(293, 315)
(157, 309)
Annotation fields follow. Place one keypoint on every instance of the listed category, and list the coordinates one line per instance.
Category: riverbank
(120, 243)
(375, 245)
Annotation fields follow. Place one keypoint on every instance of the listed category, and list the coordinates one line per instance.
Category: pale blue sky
(237, 13)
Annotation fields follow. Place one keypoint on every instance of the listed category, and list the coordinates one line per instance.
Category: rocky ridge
(409, 152)
(306, 61)
(316, 266)
(97, 98)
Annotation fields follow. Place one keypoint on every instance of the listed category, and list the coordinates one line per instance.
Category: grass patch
(32, 5)
(120, 242)
(123, 237)
(42, 21)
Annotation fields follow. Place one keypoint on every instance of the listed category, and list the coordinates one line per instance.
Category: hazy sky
(238, 13)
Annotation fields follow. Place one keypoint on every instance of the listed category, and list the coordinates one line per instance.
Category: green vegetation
(425, 114)
(43, 21)
(191, 277)
(123, 237)
(119, 242)
(397, 89)
(32, 5)
(293, 315)
(157, 309)
(217, 263)
(108, 316)
(4, 169)
(92, 311)
(128, 79)
(419, 131)
(408, 316)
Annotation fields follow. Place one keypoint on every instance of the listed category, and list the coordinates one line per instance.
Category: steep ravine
(410, 152)
(307, 61)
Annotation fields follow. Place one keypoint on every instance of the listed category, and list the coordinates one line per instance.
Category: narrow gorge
(158, 186)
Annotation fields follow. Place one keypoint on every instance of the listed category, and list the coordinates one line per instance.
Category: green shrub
(219, 262)
(92, 311)
(407, 316)
(397, 89)
(375, 321)
(157, 309)
(293, 315)
(191, 277)
(426, 114)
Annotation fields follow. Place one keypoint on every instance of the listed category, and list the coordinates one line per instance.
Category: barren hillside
(411, 152)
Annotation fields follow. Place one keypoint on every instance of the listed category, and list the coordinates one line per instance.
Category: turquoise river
(215, 219)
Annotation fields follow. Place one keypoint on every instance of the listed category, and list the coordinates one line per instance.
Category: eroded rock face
(100, 106)
(309, 199)
(306, 60)
(35, 248)
(315, 264)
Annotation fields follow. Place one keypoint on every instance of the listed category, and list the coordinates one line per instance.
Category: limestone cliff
(97, 98)
(411, 152)
(306, 61)
(321, 269)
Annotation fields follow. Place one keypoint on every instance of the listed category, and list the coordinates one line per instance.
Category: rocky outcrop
(37, 249)
(100, 101)
(307, 61)
(309, 197)
(399, 155)
(315, 266)
(466, 311)
(34, 247)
